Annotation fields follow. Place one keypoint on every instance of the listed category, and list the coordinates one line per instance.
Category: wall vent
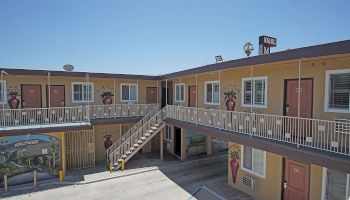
(249, 182)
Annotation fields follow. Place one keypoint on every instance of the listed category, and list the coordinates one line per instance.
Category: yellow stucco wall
(273, 179)
(276, 73)
(100, 132)
(265, 186)
(100, 85)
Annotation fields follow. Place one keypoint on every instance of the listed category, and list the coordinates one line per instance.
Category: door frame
(156, 94)
(41, 100)
(47, 94)
(285, 94)
(284, 175)
(177, 141)
(189, 94)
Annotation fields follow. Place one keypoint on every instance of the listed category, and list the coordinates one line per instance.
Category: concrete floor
(146, 177)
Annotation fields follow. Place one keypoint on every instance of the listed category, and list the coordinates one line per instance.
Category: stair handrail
(137, 132)
(128, 134)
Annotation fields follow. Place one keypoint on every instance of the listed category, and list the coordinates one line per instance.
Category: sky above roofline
(157, 37)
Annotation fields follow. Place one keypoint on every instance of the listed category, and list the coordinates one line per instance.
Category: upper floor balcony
(15, 119)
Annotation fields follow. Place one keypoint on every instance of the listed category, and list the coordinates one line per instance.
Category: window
(337, 91)
(3, 93)
(253, 161)
(128, 92)
(82, 92)
(179, 92)
(168, 133)
(335, 185)
(259, 96)
(212, 92)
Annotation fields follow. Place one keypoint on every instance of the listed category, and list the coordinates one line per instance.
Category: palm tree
(248, 48)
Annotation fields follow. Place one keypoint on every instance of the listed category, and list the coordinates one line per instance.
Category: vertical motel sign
(265, 43)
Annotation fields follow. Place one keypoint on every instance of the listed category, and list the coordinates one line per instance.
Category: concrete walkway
(146, 177)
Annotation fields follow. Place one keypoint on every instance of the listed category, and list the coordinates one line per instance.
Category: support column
(208, 144)
(63, 154)
(183, 144)
(161, 134)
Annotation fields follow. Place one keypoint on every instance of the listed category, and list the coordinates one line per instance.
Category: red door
(291, 107)
(151, 95)
(31, 96)
(57, 96)
(192, 96)
(296, 180)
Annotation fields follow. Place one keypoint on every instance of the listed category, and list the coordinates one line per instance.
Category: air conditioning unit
(249, 182)
(342, 125)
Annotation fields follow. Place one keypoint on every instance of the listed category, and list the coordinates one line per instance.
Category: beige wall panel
(315, 182)
(100, 132)
(268, 188)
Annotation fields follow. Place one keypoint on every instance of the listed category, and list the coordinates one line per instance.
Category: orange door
(57, 97)
(291, 107)
(192, 96)
(296, 180)
(151, 95)
(31, 96)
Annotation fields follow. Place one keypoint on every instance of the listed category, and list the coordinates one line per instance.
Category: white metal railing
(132, 130)
(60, 115)
(333, 136)
(130, 140)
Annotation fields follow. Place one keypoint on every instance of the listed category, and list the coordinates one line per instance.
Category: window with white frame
(179, 92)
(168, 133)
(254, 90)
(212, 92)
(128, 92)
(337, 91)
(253, 160)
(3, 93)
(82, 92)
(336, 185)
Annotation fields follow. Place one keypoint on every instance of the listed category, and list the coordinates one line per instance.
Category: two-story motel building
(290, 125)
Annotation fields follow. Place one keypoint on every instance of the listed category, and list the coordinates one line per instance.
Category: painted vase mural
(108, 142)
(13, 102)
(230, 96)
(107, 97)
(234, 161)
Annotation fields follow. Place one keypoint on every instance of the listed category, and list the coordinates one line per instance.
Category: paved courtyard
(146, 178)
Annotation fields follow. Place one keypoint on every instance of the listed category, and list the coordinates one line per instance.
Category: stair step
(120, 160)
(149, 131)
(124, 156)
(136, 145)
(147, 134)
(154, 128)
(139, 141)
(143, 138)
(156, 125)
(128, 152)
(132, 148)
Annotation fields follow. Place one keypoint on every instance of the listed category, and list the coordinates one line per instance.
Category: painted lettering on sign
(23, 143)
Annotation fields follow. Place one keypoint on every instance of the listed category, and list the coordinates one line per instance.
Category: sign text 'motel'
(265, 43)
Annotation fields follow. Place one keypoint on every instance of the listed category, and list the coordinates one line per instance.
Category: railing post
(34, 178)
(5, 183)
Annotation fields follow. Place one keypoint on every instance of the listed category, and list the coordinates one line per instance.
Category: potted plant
(107, 97)
(234, 162)
(230, 96)
(13, 101)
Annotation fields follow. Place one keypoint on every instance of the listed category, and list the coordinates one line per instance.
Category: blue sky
(157, 36)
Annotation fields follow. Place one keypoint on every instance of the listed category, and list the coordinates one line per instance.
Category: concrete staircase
(136, 138)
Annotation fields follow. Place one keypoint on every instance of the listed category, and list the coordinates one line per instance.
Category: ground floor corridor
(146, 177)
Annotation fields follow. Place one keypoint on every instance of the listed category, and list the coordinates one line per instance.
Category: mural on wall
(235, 156)
(14, 93)
(195, 143)
(108, 142)
(21, 155)
(106, 94)
(231, 92)
(218, 144)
